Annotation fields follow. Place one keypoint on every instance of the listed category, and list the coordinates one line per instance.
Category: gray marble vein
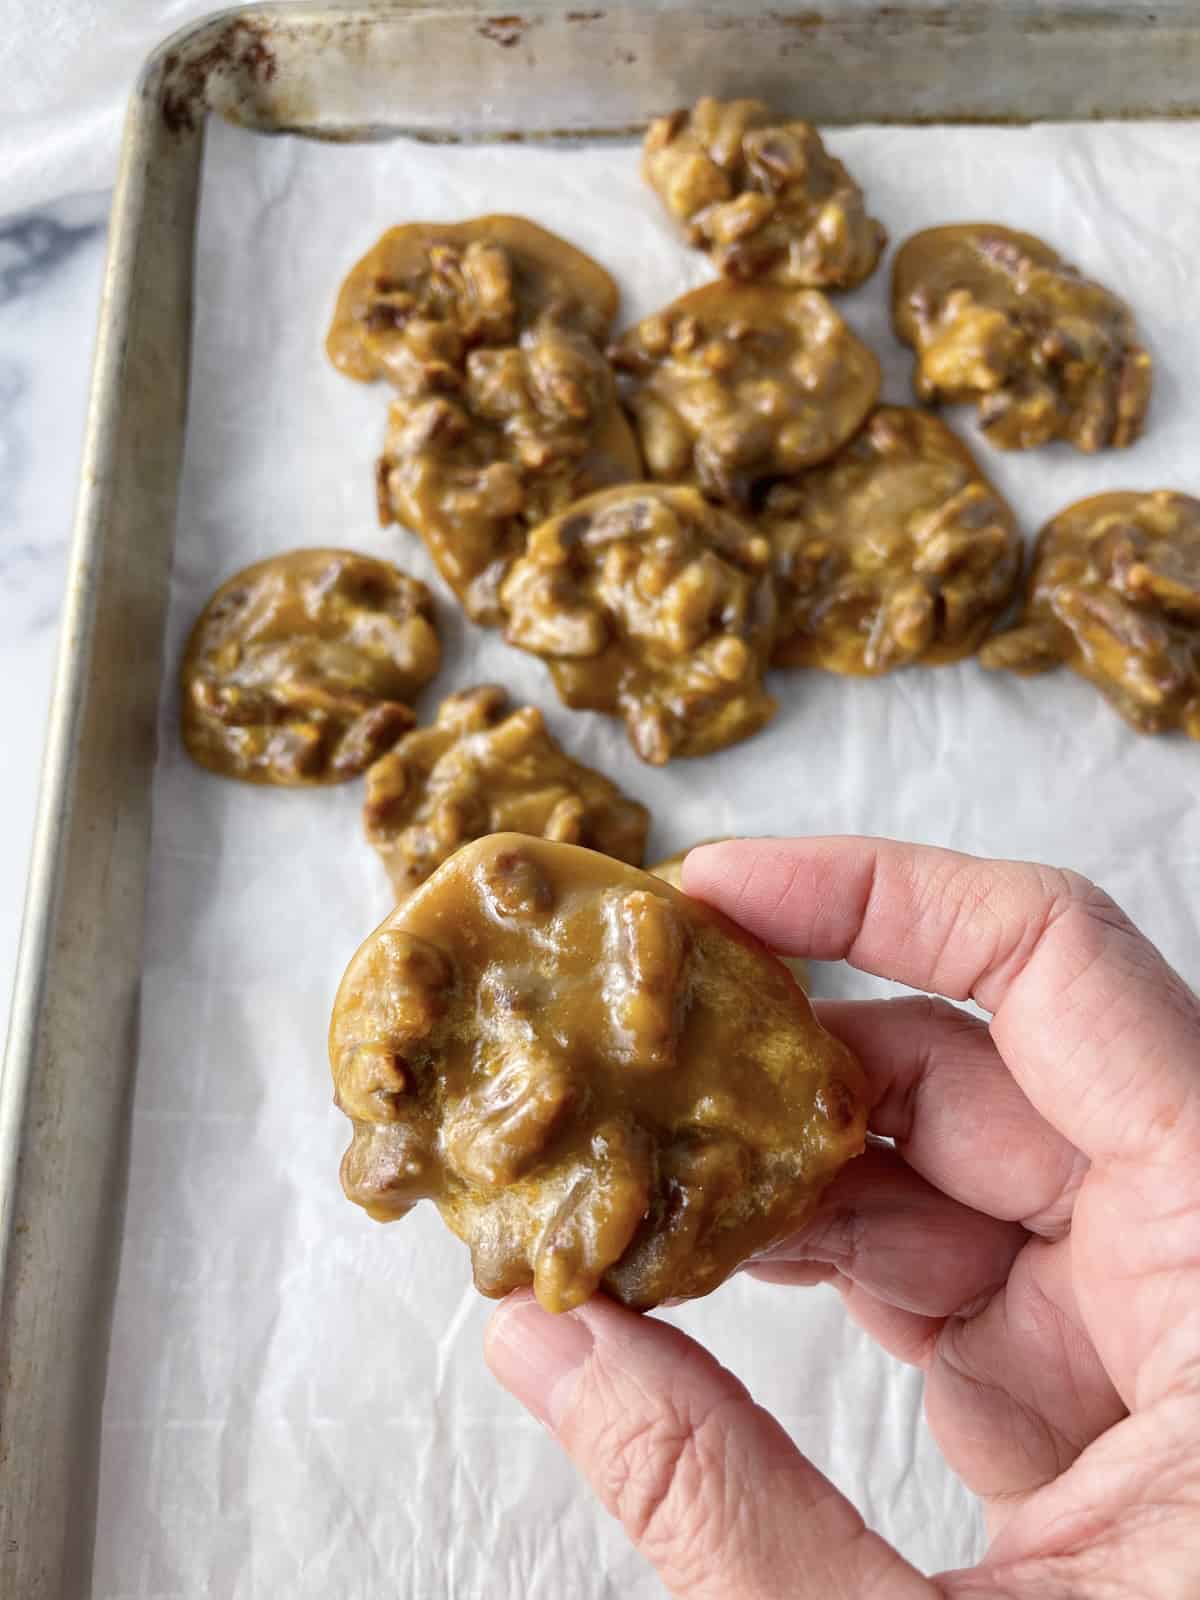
(51, 264)
(32, 246)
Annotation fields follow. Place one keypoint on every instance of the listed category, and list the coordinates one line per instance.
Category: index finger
(1101, 1034)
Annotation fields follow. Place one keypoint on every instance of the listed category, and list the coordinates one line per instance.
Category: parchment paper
(296, 1402)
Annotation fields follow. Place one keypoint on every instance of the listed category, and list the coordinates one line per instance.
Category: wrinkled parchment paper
(296, 1402)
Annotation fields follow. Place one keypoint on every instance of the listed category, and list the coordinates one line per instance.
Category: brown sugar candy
(427, 292)
(300, 669)
(998, 317)
(601, 1083)
(652, 604)
(532, 427)
(491, 331)
(671, 871)
(734, 383)
(763, 197)
(895, 550)
(1114, 593)
(482, 767)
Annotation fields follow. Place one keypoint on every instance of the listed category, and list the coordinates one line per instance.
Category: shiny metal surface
(344, 73)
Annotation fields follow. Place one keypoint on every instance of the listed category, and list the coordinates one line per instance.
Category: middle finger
(880, 1225)
(941, 1090)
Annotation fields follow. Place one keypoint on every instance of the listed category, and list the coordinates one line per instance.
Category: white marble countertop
(51, 264)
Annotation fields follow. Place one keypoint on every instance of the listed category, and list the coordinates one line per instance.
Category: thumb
(708, 1486)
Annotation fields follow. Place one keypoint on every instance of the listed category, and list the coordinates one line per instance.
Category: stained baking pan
(345, 74)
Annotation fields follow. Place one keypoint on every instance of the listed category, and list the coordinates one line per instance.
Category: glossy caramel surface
(894, 551)
(301, 669)
(999, 318)
(1114, 593)
(531, 429)
(601, 1083)
(427, 292)
(484, 766)
(735, 383)
(491, 331)
(652, 604)
(764, 197)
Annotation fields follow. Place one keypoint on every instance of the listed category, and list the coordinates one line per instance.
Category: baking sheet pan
(65, 1106)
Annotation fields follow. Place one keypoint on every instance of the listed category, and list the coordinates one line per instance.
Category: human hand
(1032, 1242)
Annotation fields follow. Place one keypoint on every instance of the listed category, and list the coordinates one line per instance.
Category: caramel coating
(491, 331)
(652, 604)
(601, 1083)
(531, 428)
(482, 768)
(999, 318)
(300, 669)
(764, 198)
(671, 871)
(427, 292)
(1114, 592)
(895, 550)
(734, 383)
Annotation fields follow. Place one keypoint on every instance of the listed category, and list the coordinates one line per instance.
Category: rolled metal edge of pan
(356, 71)
(69, 1055)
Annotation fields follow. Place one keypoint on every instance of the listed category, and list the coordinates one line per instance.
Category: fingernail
(538, 1356)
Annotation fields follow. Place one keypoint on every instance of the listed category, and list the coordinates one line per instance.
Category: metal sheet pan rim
(72, 667)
